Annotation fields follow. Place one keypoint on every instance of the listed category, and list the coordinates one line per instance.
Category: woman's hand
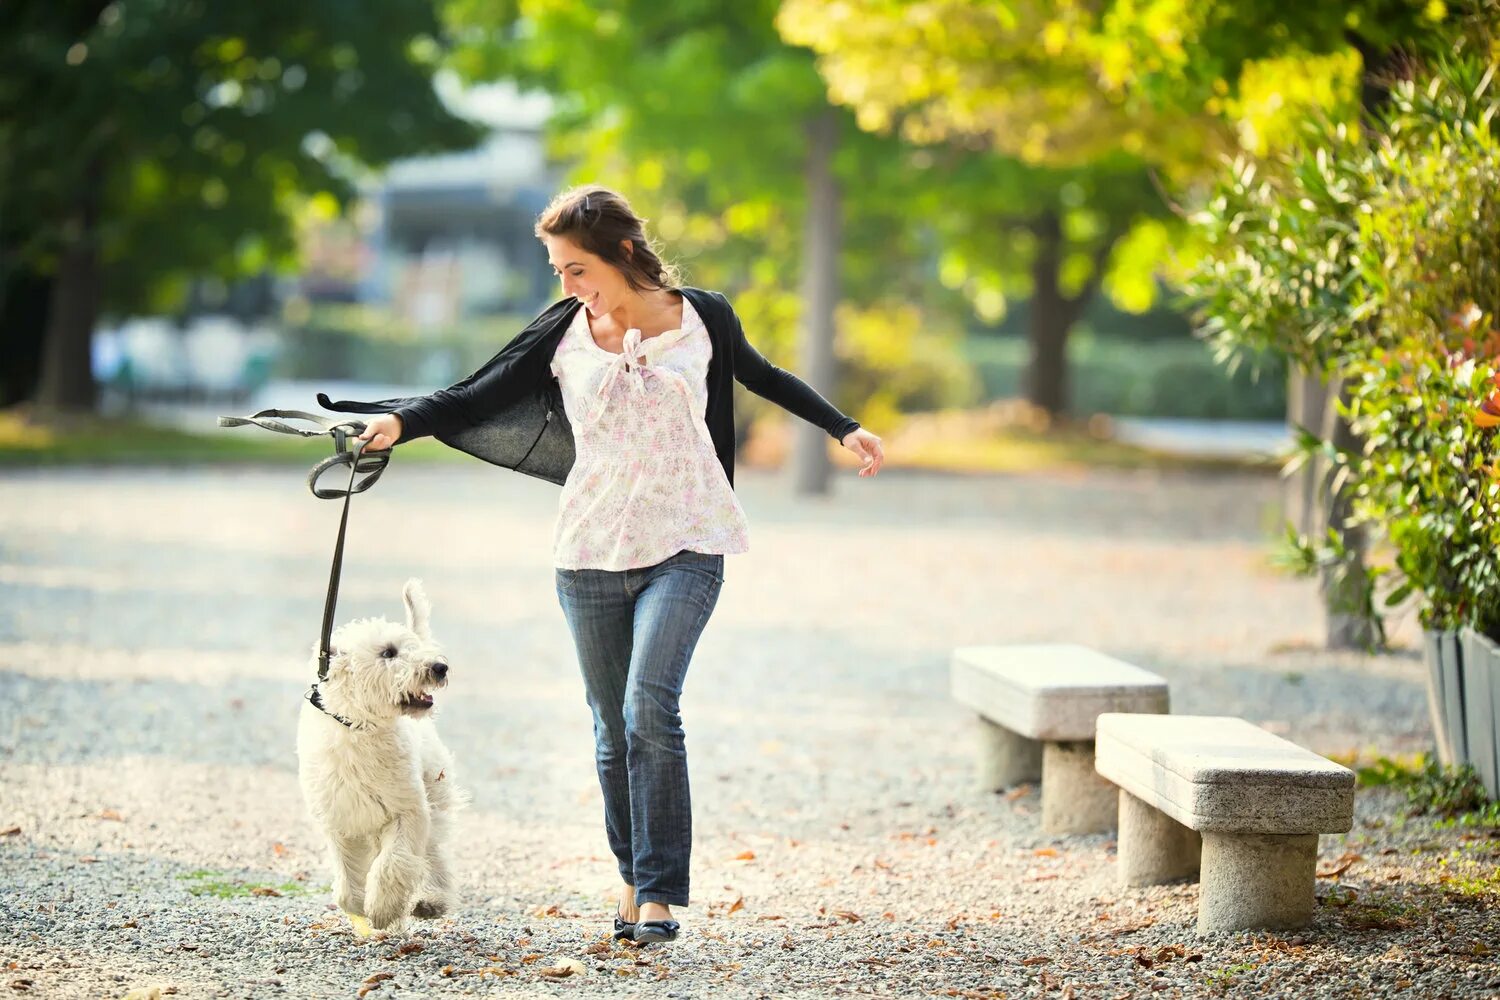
(867, 447)
(381, 432)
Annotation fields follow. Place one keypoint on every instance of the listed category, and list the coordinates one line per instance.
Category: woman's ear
(628, 247)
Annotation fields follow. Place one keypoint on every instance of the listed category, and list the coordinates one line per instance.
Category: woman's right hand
(381, 432)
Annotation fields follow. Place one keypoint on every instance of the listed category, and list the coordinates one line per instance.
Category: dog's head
(379, 669)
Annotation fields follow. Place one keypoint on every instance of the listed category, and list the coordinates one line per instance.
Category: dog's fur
(383, 790)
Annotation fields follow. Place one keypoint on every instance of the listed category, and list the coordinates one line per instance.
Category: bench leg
(1006, 758)
(1153, 847)
(1254, 880)
(1074, 798)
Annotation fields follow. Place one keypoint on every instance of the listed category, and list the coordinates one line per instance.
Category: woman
(643, 371)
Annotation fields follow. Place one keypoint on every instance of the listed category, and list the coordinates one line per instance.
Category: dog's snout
(440, 670)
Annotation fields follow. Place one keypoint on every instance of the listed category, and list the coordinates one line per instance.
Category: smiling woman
(640, 370)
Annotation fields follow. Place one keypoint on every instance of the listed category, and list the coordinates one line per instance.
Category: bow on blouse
(624, 365)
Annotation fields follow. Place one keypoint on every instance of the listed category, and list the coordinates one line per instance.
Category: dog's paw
(429, 909)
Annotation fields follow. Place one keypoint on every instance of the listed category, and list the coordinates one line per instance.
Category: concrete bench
(1228, 796)
(1037, 706)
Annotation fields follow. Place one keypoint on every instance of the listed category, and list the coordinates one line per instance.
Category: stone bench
(1037, 705)
(1228, 796)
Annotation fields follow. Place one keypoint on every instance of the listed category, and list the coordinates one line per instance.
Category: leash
(348, 450)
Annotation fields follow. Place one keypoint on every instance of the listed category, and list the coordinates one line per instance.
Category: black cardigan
(510, 411)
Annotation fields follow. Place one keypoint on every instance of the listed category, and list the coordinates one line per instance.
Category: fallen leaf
(1344, 862)
(528, 959)
(563, 968)
(409, 948)
(745, 856)
(264, 890)
(1045, 852)
(1036, 960)
(278, 849)
(1043, 877)
(11, 831)
(738, 904)
(375, 982)
(88, 859)
(853, 918)
(112, 814)
(1018, 792)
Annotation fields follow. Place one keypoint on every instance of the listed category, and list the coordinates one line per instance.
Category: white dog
(373, 772)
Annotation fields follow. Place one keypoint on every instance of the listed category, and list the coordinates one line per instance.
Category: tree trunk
(67, 378)
(820, 289)
(1306, 406)
(1048, 321)
(1345, 584)
(23, 326)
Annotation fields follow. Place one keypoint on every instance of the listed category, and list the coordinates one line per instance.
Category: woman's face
(585, 276)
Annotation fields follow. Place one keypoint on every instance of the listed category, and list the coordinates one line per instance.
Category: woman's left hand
(867, 447)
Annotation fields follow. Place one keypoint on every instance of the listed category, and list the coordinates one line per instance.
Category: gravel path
(154, 631)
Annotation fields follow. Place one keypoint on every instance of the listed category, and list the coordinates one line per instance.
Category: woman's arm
(784, 389)
(521, 364)
(797, 397)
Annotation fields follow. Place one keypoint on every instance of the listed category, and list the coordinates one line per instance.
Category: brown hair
(599, 220)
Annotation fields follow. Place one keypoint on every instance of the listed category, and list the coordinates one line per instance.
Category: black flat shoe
(656, 931)
(624, 930)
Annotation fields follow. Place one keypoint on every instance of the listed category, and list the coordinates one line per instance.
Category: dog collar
(315, 699)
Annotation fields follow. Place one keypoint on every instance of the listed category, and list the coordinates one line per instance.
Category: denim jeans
(635, 630)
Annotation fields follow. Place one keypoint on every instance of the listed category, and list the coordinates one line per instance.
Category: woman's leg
(671, 609)
(600, 613)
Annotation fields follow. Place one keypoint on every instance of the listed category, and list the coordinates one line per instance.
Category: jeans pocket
(567, 579)
(712, 563)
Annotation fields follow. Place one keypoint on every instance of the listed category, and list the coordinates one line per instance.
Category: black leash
(348, 450)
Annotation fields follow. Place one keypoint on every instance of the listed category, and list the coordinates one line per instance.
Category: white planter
(1481, 707)
(1443, 653)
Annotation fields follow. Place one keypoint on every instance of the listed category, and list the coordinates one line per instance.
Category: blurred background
(959, 220)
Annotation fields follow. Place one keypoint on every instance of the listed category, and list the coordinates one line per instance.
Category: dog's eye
(388, 652)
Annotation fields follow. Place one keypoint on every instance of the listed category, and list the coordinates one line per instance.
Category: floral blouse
(646, 482)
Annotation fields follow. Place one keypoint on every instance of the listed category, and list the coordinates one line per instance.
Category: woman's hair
(599, 220)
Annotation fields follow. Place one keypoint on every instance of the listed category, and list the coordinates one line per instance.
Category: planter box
(1481, 681)
(1443, 653)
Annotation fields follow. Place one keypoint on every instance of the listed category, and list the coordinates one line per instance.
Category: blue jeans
(635, 630)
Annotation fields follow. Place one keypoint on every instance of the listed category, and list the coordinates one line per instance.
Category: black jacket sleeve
(783, 388)
(516, 371)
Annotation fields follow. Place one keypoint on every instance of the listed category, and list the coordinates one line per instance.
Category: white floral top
(646, 482)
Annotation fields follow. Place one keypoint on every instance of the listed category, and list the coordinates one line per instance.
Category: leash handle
(348, 450)
(353, 457)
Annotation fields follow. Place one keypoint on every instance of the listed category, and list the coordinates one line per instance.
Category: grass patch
(96, 441)
(1484, 885)
(1222, 979)
(220, 885)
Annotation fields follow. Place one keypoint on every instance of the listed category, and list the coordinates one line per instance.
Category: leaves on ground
(1344, 863)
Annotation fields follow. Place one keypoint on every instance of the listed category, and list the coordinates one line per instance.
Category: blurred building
(442, 237)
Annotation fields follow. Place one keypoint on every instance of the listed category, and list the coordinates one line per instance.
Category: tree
(1071, 82)
(723, 134)
(143, 143)
(1064, 164)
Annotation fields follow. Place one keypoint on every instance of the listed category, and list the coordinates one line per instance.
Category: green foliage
(182, 136)
(1372, 257)
(1446, 791)
(1455, 793)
